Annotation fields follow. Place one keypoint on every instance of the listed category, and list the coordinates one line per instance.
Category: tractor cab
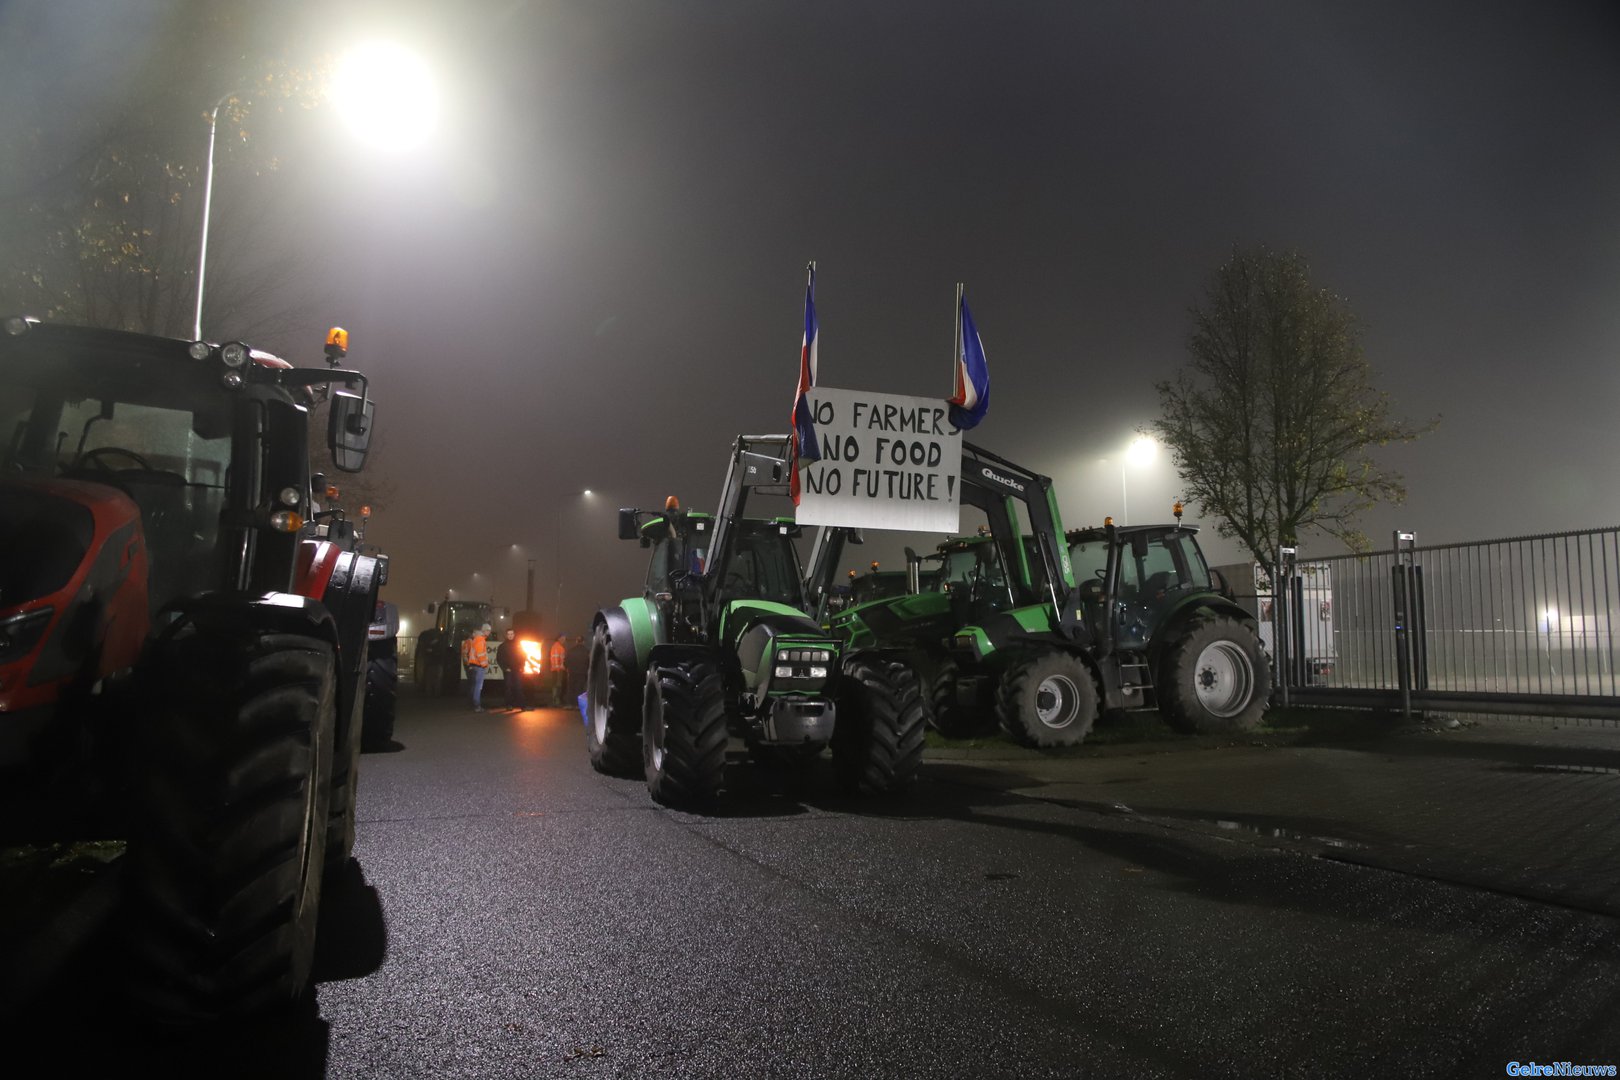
(974, 577)
(761, 562)
(1149, 571)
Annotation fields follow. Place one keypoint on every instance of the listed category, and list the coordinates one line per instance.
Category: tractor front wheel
(683, 733)
(612, 709)
(229, 801)
(1214, 677)
(1047, 699)
(877, 740)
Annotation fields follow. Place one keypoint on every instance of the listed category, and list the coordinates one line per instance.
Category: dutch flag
(805, 445)
(972, 397)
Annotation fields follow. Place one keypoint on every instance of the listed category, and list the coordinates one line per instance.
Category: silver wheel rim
(1057, 702)
(652, 722)
(1223, 679)
(598, 698)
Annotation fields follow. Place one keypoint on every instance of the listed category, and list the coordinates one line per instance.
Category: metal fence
(1525, 624)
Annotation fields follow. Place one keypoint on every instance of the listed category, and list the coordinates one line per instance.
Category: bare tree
(1272, 420)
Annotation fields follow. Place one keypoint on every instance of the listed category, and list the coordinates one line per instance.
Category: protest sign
(888, 461)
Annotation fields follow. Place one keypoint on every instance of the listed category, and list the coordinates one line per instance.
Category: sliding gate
(1524, 625)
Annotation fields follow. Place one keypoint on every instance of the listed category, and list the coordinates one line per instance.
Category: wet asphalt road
(542, 920)
(513, 914)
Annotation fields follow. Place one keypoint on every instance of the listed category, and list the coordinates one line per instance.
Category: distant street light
(556, 611)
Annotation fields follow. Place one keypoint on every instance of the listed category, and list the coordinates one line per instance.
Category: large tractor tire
(1046, 699)
(683, 725)
(229, 802)
(1214, 677)
(613, 703)
(877, 741)
(345, 781)
(947, 714)
(382, 699)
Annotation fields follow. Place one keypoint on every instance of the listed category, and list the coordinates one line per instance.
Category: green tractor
(718, 646)
(1045, 630)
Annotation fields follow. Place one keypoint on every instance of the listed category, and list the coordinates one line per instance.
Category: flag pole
(956, 354)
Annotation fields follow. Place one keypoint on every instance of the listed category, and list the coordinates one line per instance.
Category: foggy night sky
(592, 275)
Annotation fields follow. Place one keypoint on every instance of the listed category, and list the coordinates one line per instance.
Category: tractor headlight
(818, 672)
(199, 350)
(783, 671)
(234, 354)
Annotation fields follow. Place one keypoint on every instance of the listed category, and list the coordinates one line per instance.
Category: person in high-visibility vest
(475, 654)
(559, 674)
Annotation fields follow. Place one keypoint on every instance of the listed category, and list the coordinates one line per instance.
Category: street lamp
(387, 94)
(383, 90)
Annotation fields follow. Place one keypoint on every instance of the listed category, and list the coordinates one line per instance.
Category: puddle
(1278, 833)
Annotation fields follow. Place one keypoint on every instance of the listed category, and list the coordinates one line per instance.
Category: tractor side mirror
(432, 607)
(627, 525)
(854, 536)
(348, 429)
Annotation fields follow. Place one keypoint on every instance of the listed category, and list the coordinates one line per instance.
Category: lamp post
(556, 611)
(208, 202)
(387, 85)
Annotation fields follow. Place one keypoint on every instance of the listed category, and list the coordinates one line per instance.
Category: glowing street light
(387, 95)
(385, 92)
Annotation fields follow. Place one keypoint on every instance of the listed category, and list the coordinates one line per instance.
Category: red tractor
(181, 668)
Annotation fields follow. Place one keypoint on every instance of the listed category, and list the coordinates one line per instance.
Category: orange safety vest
(475, 651)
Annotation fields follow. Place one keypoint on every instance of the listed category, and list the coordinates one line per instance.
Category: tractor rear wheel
(1214, 677)
(877, 740)
(612, 709)
(946, 712)
(229, 823)
(1047, 699)
(683, 725)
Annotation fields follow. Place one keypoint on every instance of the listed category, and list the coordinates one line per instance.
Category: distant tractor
(179, 667)
(1043, 630)
(437, 664)
(719, 646)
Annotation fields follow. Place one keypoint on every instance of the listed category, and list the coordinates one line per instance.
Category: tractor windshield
(974, 572)
(170, 456)
(764, 566)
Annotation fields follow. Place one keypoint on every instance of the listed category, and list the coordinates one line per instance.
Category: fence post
(1401, 582)
(1281, 603)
